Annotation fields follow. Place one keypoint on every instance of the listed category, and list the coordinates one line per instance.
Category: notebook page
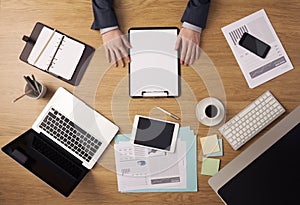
(67, 58)
(45, 58)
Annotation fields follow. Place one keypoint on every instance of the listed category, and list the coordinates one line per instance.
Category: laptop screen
(40, 155)
(272, 178)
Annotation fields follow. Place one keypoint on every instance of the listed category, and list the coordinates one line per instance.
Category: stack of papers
(140, 169)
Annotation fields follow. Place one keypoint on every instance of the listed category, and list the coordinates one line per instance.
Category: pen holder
(36, 95)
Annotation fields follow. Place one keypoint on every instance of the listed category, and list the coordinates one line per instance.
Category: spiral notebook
(56, 53)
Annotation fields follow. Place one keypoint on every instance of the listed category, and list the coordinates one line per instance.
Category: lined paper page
(46, 56)
(67, 54)
(67, 58)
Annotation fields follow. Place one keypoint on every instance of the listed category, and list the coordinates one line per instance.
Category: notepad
(56, 53)
(210, 144)
(219, 153)
(210, 166)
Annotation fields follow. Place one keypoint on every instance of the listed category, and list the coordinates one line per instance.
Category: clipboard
(81, 66)
(154, 70)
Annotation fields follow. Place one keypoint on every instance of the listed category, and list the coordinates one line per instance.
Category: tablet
(154, 133)
(154, 69)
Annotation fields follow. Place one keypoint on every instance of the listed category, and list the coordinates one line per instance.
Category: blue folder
(187, 135)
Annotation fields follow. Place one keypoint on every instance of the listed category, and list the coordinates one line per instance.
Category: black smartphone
(254, 45)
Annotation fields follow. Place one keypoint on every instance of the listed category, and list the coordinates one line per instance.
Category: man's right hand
(116, 47)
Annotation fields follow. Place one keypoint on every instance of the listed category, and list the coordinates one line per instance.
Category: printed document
(255, 69)
(144, 168)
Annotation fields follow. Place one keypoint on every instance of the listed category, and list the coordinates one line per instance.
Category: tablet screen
(155, 134)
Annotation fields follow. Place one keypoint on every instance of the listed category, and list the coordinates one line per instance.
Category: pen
(26, 93)
(31, 84)
(168, 113)
(35, 83)
(45, 46)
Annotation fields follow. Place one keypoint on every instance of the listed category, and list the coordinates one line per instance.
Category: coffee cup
(210, 111)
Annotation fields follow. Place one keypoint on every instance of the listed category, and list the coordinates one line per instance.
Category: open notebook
(56, 53)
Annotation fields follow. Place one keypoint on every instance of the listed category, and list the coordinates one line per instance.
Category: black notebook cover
(81, 66)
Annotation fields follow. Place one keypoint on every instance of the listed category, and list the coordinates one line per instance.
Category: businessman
(116, 44)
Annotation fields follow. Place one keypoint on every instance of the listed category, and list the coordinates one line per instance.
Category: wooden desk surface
(17, 185)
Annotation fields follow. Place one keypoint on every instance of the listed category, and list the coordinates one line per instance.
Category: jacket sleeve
(104, 14)
(196, 12)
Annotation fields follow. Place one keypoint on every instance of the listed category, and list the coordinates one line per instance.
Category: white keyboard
(251, 120)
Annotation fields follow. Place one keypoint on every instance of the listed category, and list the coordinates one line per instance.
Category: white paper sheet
(154, 63)
(255, 69)
(144, 168)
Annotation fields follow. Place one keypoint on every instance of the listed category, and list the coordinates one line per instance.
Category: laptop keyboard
(70, 134)
(50, 153)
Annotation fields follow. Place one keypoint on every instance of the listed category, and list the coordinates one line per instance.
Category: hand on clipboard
(116, 47)
(189, 42)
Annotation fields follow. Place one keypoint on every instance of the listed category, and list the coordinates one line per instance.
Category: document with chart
(255, 69)
(142, 169)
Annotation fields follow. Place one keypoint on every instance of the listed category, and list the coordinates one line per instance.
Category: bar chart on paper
(236, 34)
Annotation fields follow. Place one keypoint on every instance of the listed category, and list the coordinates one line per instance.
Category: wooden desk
(17, 185)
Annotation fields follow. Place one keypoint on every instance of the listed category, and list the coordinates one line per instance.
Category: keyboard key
(70, 134)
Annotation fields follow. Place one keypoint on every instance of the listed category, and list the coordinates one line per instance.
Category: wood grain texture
(17, 18)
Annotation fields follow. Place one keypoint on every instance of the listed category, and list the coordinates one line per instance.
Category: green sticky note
(210, 166)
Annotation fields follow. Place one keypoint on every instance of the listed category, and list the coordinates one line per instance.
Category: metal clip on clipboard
(155, 93)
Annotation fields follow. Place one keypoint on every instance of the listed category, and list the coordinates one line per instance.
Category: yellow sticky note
(210, 144)
(210, 166)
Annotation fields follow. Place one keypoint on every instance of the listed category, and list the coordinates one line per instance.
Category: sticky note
(210, 166)
(210, 144)
(217, 154)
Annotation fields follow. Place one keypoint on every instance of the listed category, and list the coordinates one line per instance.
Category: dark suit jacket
(104, 16)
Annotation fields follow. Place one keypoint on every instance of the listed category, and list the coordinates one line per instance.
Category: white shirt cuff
(192, 27)
(104, 30)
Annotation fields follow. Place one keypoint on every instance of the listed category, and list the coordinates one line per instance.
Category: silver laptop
(64, 143)
(265, 172)
(76, 127)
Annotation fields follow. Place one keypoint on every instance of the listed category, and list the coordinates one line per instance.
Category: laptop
(64, 143)
(265, 172)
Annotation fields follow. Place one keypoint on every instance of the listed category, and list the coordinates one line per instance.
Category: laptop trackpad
(19, 156)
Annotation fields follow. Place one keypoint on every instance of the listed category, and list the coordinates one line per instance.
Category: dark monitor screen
(272, 178)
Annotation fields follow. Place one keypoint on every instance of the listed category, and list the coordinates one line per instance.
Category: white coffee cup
(210, 111)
